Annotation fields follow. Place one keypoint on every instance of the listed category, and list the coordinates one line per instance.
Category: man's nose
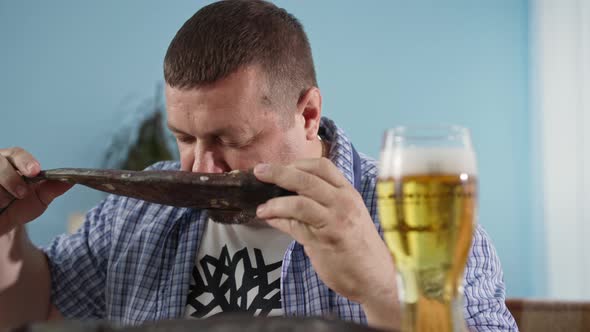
(206, 161)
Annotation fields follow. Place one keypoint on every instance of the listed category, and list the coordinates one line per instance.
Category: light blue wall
(71, 71)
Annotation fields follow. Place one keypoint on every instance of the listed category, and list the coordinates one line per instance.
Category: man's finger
(324, 169)
(24, 210)
(299, 208)
(23, 161)
(296, 180)
(19, 212)
(11, 181)
(298, 231)
(5, 198)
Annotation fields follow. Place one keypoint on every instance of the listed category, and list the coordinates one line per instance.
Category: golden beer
(427, 200)
(428, 225)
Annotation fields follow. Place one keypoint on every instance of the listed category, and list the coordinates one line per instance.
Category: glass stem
(429, 315)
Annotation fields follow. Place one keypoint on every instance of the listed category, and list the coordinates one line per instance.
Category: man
(241, 92)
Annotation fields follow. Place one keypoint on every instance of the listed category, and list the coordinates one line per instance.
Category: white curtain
(560, 105)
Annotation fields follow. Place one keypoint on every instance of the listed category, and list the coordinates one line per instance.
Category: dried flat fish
(232, 191)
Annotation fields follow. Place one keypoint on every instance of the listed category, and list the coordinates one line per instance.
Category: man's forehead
(219, 101)
(209, 128)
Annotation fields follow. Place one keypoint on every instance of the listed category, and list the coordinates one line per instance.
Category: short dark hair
(227, 35)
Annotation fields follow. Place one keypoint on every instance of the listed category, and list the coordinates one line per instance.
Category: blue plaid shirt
(131, 261)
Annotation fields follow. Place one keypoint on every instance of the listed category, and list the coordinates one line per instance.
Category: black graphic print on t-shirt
(220, 280)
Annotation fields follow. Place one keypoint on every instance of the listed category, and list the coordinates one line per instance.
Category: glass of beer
(427, 201)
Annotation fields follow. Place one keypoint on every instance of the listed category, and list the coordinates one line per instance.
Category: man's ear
(309, 107)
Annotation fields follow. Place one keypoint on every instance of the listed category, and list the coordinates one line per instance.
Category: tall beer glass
(427, 200)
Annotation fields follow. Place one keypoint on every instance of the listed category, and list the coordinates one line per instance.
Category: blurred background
(75, 75)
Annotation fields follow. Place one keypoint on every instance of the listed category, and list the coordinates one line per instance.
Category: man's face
(234, 123)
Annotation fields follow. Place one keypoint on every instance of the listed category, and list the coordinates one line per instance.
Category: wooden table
(550, 315)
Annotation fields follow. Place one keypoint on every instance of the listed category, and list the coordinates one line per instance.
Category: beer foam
(415, 160)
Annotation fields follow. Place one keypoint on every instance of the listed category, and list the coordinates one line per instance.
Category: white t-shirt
(238, 268)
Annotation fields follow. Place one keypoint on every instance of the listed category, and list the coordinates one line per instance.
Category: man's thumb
(49, 190)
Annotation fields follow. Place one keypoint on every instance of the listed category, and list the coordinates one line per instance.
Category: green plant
(143, 140)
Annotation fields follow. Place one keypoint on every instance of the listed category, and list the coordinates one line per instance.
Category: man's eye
(230, 144)
(185, 139)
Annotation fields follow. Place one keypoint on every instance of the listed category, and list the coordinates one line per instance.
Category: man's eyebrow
(219, 132)
(174, 129)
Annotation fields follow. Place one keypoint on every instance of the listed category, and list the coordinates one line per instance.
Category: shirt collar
(340, 147)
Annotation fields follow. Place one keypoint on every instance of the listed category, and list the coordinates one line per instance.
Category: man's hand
(331, 221)
(23, 202)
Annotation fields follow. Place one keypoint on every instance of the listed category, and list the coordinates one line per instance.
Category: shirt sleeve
(485, 307)
(78, 265)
